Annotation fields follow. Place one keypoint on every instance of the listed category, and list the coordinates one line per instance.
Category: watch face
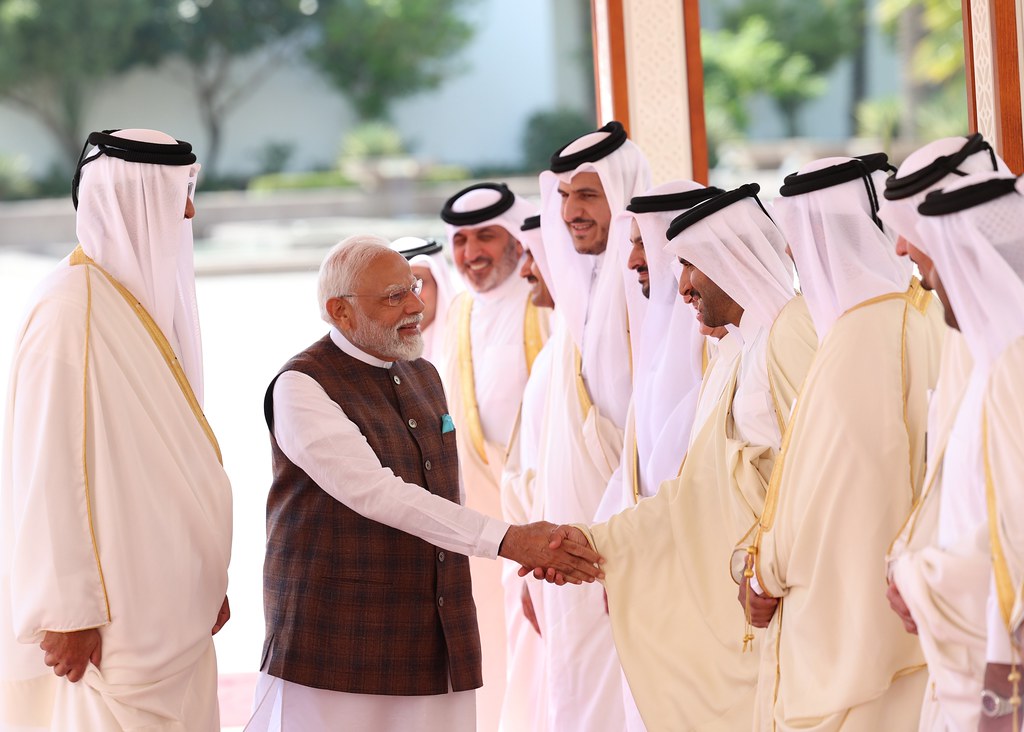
(989, 703)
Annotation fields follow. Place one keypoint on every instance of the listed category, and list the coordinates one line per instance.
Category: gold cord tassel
(748, 572)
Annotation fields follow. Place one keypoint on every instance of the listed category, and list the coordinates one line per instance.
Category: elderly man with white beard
(493, 336)
(369, 610)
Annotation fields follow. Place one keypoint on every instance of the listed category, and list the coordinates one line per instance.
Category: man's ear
(340, 310)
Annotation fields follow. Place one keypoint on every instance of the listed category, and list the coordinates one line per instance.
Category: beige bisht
(851, 466)
(1004, 465)
(678, 628)
(975, 229)
(945, 588)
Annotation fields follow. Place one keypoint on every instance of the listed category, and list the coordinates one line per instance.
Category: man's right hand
(536, 547)
(762, 607)
(69, 654)
(900, 607)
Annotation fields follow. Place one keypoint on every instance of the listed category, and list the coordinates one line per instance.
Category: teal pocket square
(447, 424)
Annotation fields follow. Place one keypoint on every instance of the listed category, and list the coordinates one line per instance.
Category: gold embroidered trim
(160, 340)
(581, 386)
(533, 336)
(1004, 582)
(85, 438)
(467, 380)
(704, 359)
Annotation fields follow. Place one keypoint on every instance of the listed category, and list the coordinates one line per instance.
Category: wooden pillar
(992, 52)
(649, 76)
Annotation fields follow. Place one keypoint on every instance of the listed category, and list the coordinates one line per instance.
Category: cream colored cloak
(945, 589)
(116, 514)
(1003, 457)
(849, 471)
(678, 627)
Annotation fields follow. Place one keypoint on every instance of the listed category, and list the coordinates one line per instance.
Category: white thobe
(116, 514)
(497, 348)
(315, 434)
(524, 708)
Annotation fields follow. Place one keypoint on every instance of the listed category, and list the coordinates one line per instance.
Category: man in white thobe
(591, 179)
(975, 234)
(494, 333)
(116, 512)
(938, 566)
(525, 705)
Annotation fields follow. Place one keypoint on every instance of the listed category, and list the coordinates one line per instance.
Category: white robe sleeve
(315, 434)
(56, 577)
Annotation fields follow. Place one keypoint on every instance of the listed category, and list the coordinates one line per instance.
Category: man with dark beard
(367, 595)
(494, 333)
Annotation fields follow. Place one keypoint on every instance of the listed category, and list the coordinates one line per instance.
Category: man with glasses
(369, 610)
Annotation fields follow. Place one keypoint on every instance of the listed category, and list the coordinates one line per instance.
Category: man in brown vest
(367, 595)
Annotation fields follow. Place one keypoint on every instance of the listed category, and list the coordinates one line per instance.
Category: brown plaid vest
(352, 604)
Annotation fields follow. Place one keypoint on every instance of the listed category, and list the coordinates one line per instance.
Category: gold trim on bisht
(581, 386)
(533, 336)
(467, 381)
(79, 257)
(1000, 568)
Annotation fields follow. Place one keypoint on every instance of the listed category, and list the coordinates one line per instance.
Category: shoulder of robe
(792, 335)
(63, 292)
(1006, 383)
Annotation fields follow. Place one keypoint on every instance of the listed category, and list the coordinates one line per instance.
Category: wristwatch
(994, 705)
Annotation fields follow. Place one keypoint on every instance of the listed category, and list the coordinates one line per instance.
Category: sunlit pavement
(251, 325)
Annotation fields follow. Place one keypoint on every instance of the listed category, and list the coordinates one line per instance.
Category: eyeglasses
(395, 297)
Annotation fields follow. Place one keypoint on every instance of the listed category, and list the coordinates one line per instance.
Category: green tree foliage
(377, 51)
(211, 37)
(739, 64)
(820, 31)
(546, 132)
(55, 54)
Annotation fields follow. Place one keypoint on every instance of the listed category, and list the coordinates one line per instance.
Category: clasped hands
(559, 554)
(70, 653)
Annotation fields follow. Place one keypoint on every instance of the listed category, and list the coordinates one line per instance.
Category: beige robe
(678, 628)
(1003, 457)
(851, 466)
(481, 462)
(116, 514)
(945, 589)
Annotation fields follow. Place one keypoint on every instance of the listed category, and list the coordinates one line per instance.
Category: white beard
(371, 336)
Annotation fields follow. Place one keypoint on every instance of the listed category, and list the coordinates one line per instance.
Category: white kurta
(116, 514)
(497, 356)
(316, 435)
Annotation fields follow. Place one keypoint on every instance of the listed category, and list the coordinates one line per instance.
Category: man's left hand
(537, 547)
(223, 616)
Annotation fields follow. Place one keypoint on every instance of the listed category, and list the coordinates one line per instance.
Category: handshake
(559, 554)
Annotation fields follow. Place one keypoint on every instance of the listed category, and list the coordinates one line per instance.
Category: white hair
(344, 264)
